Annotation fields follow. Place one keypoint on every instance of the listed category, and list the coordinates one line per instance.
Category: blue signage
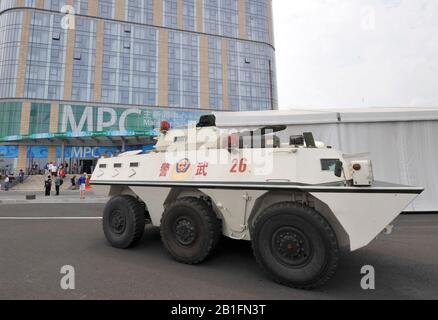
(41, 152)
(97, 152)
(37, 152)
(8, 152)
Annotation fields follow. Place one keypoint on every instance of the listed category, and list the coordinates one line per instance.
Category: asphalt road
(32, 253)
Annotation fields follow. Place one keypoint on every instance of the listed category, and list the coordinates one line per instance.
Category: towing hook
(388, 229)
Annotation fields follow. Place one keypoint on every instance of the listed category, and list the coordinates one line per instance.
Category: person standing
(21, 176)
(62, 171)
(7, 182)
(82, 182)
(48, 185)
(34, 169)
(54, 170)
(58, 184)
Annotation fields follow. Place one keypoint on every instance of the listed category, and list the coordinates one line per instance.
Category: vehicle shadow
(232, 268)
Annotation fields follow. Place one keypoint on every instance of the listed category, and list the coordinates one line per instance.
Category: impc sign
(86, 122)
(90, 152)
(79, 119)
(85, 153)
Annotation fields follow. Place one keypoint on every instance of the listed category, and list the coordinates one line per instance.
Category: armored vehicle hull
(299, 205)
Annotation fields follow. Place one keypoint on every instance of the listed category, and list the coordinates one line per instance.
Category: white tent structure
(403, 142)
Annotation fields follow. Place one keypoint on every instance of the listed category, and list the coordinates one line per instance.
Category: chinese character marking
(202, 169)
(165, 167)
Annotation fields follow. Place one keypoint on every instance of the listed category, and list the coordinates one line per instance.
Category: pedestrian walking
(82, 182)
(58, 183)
(48, 185)
(73, 183)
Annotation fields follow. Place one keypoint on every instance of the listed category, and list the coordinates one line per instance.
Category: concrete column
(99, 61)
(93, 8)
(163, 69)
(199, 15)
(22, 158)
(158, 12)
(242, 19)
(63, 152)
(51, 155)
(40, 4)
(68, 77)
(120, 10)
(271, 23)
(180, 14)
(25, 118)
(22, 56)
(205, 81)
(54, 117)
(225, 74)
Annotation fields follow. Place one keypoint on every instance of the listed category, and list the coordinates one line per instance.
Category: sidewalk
(67, 196)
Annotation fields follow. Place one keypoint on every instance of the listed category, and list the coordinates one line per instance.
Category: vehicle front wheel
(123, 221)
(295, 245)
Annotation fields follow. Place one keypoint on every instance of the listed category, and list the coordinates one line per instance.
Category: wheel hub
(185, 231)
(291, 246)
(118, 222)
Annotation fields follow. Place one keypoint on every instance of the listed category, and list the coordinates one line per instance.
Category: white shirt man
(7, 183)
(54, 170)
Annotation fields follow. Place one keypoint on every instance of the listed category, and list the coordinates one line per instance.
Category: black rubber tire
(206, 230)
(292, 229)
(132, 212)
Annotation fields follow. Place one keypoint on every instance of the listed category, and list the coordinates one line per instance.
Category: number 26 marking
(239, 166)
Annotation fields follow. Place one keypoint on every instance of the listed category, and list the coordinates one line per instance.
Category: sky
(356, 53)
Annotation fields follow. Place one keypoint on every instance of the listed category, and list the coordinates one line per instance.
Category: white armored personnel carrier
(299, 202)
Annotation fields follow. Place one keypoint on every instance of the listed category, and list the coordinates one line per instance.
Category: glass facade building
(82, 68)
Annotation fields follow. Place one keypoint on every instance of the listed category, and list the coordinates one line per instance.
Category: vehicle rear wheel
(123, 221)
(295, 245)
(190, 230)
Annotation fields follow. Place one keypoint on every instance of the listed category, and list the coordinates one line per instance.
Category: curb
(54, 201)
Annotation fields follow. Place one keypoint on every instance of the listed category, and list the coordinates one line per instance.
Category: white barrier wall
(403, 151)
